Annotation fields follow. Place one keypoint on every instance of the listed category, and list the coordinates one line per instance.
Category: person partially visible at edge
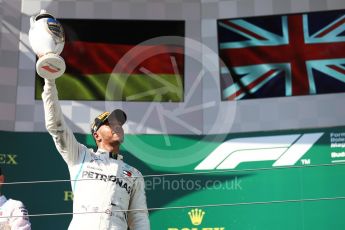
(13, 214)
(108, 193)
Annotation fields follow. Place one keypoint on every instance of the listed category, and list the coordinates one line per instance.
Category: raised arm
(63, 137)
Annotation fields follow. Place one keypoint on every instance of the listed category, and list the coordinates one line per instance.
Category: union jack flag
(284, 55)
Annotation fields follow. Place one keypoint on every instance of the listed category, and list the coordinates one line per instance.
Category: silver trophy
(47, 39)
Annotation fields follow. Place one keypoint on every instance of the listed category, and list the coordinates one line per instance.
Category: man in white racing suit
(108, 193)
(13, 214)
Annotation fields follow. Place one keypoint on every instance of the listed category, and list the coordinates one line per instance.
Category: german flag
(121, 60)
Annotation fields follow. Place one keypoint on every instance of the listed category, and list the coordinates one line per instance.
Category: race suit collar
(115, 156)
(102, 151)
